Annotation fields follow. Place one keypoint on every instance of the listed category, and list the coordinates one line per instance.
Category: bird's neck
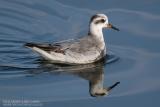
(96, 32)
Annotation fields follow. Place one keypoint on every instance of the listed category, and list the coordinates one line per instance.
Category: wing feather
(47, 47)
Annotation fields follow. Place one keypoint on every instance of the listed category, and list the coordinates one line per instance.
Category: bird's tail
(31, 45)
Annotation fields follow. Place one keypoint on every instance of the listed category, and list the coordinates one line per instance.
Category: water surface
(24, 76)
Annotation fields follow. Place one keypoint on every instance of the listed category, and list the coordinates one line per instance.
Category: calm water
(134, 53)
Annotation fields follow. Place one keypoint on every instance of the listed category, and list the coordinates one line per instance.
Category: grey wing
(47, 47)
(74, 45)
(84, 45)
(59, 47)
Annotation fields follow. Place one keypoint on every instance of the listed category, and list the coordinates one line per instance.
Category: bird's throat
(97, 34)
(96, 31)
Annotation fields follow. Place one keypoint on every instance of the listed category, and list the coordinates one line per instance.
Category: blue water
(134, 53)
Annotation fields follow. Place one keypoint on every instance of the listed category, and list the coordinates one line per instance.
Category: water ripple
(39, 7)
(23, 73)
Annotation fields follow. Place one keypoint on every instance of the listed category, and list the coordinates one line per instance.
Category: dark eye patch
(100, 21)
(103, 20)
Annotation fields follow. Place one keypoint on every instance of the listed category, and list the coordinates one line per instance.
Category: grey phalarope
(88, 49)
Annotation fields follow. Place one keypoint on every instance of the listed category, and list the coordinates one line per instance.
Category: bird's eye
(103, 20)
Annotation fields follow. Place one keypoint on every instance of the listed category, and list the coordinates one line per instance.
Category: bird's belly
(77, 58)
(71, 57)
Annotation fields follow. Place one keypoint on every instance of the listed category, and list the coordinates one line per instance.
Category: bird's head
(100, 21)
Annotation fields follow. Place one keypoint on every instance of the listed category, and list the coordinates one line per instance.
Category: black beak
(114, 85)
(113, 27)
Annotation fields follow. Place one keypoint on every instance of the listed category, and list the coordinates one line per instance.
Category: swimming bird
(88, 49)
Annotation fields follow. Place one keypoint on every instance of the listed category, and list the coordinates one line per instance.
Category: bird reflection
(93, 73)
